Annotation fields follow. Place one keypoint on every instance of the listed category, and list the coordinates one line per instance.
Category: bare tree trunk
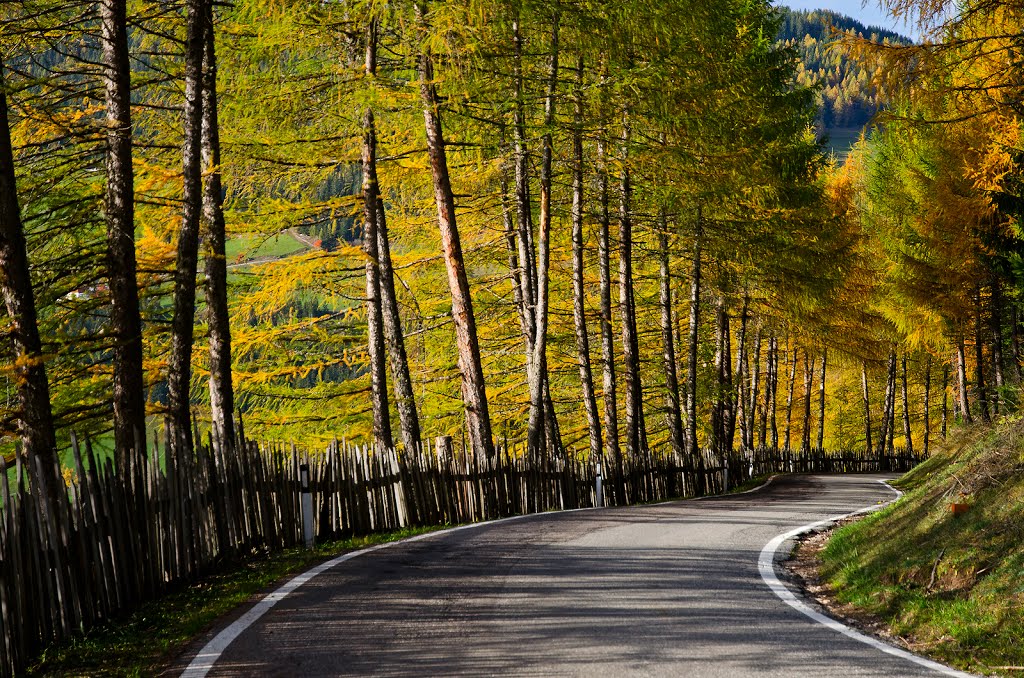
(611, 413)
(979, 358)
(539, 362)
(721, 427)
(927, 403)
(524, 214)
(405, 398)
(961, 378)
(945, 399)
(474, 394)
(693, 342)
(179, 376)
(35, 417)
(1015, 340)
(673, 416)
(906, 406)
(867, 406)
(998, 366)
(635, 433)
(888, 407)
(222, 393)
(805, 438)
(119, 209)
(772, 404)
(578, 290)
(821, 400)
(374, 314)
(789, 396)
(754, 387)
(742, 414)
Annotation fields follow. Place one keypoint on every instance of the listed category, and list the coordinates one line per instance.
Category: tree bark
(374, 313)
(889, 405)
(742, 415)
(755, 379)
(179, 377)
(927, 404)
(673, 414)
(907, 434)
(524, 213)
(998, 365)
(867, 407)
(537, 365)
(35, 416)
(789, 397)
(945, 399)
(821, 400)
(222, 393)
(693, 341)
(979, 358)
(773, 375)
(474, 394)
(635, 433)
(611, 412)
(805, 437)
(722, 413)
(1015, 340)
(961, 380)
(129, 396)
(579, 291)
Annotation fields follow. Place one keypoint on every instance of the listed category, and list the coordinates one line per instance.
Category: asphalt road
(664, 590)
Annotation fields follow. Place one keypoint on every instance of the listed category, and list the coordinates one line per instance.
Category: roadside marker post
(599, 489)
(307, 506)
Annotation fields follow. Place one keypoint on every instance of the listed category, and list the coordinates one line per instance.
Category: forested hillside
(848, 91)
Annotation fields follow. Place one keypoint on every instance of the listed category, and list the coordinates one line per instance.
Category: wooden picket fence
(118, 541)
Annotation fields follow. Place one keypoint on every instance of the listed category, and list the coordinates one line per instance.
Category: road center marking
(766, 566)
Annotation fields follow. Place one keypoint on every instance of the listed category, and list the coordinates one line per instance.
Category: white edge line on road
(203, 662)
(766, 566)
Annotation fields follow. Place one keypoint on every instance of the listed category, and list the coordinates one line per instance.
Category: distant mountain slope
(847, 97)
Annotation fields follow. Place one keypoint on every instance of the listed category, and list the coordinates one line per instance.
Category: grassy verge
(951, 585)
(140, 644)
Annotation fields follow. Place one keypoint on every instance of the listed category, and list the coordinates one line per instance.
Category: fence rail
(121, 539)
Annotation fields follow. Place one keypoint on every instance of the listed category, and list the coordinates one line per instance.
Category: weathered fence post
(307, 506)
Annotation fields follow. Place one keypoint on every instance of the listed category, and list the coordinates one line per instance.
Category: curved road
(664, 590)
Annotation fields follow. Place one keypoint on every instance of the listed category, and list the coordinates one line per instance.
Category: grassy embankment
(951, 585)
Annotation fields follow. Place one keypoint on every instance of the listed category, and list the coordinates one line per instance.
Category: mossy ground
(951, 585)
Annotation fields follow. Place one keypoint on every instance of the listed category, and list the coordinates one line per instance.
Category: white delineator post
(307, 506)
(599, 488)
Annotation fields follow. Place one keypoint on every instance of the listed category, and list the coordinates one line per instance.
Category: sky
(868, 13)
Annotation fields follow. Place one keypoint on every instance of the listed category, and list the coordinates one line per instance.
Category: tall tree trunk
(374, 313)
(35, 417)
(888, 407)
(539, 362)
(512, 243)
(742, 415)
(927, 404)
(405, 398)
(772, 404)
(998, 365)
(635, 433)
(867, 406)
(222, 393)
(755, 380)
(789, 396)
(805, 438)
(1015, 340)
(907, 434)
(945, 399)
(961, 379)
(721, 426)
(693, 341)
(611, 411)
(119, 210)
(474, 394)
(673, 415)
(821, 400)
(578, 290)
(979, 358)
(524, 213)
(179, 376)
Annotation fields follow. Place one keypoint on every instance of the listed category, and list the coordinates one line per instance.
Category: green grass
(142, 643)
(242, 248)
(970, 613)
